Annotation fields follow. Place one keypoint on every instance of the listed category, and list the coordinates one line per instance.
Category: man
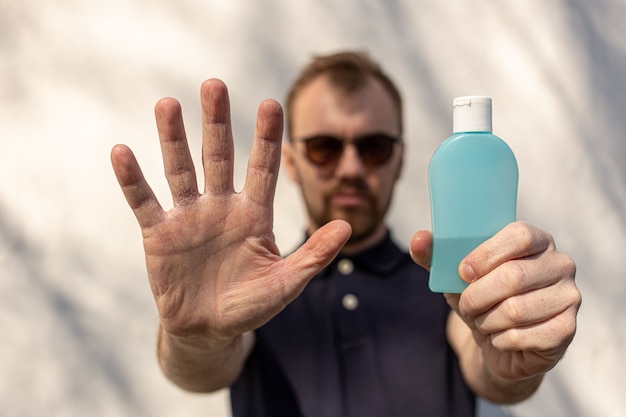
(365, 337)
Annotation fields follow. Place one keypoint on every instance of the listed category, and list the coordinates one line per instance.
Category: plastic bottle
(473, 180)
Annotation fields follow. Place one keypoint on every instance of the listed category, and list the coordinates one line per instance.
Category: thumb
(315, 254)
(421, 248)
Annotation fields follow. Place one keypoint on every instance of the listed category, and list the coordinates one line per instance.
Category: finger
(313, 256)
(421, 248)
(529, 308)
(264, 161)
(217, 138)
(517, 240)
(550, 337)
(515, 277)
(138, 193)
(453, 301)
(179, 168)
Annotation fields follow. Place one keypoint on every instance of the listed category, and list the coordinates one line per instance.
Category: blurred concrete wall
(78, 323)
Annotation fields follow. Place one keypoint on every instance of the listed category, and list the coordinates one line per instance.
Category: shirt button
(350, 302)
(345, 267)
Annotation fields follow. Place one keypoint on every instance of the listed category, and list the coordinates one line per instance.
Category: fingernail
(467, 273)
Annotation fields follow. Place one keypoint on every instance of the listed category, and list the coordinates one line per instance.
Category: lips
(349, 199)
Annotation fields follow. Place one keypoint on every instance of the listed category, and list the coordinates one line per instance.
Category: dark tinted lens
(322, 150)
(375, 150)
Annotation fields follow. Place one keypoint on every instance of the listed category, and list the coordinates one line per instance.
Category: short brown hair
(347, 71)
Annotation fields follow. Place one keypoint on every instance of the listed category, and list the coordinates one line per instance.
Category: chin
(361, 231)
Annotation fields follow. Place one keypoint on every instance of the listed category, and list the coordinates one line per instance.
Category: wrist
(201, 344)
(506, 390)
(202, 364)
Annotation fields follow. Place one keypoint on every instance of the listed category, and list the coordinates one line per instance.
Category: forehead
(320, 107)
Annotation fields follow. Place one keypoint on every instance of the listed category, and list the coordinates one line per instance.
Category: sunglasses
(374, 150)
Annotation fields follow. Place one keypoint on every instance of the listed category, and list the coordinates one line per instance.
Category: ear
(289, 161)
(401, 161)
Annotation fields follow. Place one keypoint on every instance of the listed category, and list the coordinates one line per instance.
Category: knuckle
(530, 240)
(578, 299)
(507, 341)
(564, 329)
(572, 294)
(516, 277)
(468, 304)
(569, 290)
(515, 310)
(569, 266)
(523, 234)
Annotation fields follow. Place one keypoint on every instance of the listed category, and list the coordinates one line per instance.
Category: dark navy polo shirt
(366, 338)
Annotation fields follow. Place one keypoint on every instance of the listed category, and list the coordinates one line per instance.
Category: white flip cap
(471, 114)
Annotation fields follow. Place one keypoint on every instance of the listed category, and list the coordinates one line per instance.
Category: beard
(363, 223)
(365, 219)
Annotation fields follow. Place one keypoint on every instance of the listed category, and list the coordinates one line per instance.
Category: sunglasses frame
(361, 144)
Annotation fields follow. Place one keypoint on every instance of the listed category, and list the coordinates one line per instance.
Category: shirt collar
(382, 259)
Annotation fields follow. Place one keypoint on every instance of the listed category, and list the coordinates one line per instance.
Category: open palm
(212, 262)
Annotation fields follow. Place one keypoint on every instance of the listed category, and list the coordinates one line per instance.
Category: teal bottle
(473, 179)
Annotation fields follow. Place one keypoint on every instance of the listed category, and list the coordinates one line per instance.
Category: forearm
(202, 366)
(486, 384)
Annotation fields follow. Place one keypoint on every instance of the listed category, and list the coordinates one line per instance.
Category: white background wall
(76, 315)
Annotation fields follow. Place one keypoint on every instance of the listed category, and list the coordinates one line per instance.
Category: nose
(350, 164)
